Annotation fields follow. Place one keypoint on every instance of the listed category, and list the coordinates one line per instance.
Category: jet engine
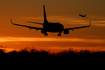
(66, 31)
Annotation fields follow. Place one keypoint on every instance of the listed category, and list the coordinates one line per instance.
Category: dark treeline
(67, 54)
(43, 58)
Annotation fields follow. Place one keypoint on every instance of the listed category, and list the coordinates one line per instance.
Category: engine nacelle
(66, 31)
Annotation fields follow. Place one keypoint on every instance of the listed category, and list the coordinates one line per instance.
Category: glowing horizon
(65, 12)
(13, 39)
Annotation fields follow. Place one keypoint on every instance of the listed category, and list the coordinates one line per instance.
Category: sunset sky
(65, 12)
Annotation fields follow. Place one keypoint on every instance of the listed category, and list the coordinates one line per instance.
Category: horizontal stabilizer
(34, 22)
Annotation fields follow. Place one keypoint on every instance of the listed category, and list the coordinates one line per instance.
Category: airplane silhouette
(82, 15)
(50, 27)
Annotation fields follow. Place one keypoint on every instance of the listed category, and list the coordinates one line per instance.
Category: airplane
(50, 27)
(82, 15)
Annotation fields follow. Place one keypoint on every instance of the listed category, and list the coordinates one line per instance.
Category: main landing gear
(59, 34)
(45, 34)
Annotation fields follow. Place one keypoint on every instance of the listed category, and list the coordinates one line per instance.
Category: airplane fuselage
(53, 27)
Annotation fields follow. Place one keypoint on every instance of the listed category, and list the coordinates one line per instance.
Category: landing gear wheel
(59, 34)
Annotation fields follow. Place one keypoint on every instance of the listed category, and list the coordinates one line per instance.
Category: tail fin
(45, 18)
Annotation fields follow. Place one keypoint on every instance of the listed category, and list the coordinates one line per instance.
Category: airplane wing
(37, 28)
(78, 27)
(34, 22)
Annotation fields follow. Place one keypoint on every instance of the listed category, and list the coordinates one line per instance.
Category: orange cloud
(11, 39)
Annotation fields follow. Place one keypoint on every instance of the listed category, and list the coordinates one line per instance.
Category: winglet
(79, 14)
(11, 20)
(90, 23)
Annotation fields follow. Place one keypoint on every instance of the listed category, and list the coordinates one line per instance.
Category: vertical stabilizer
(45, 18)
